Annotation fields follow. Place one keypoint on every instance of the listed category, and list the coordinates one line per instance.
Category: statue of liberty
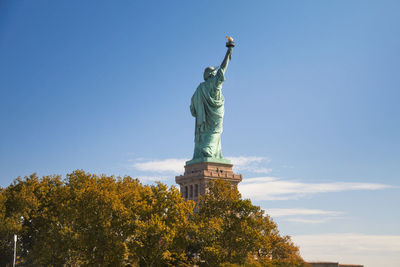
(207, 106)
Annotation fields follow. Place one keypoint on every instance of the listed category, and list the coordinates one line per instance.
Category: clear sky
(311, 105)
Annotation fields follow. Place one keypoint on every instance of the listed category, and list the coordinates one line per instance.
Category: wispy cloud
(271, 188)
(243, 160)
(371, 250)
(171, 165)
(293, 212)
(175, 165)
(260, 188)
(306, 216)
(251, 164)
(147, 178)
(308, 220)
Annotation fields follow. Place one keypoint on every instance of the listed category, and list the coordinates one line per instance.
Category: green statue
(207, 106)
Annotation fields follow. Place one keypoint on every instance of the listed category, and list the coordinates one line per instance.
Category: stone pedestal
(196, 177)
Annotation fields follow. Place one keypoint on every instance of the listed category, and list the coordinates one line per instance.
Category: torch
(230, 42)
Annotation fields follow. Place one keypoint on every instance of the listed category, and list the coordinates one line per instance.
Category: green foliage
(230, 230)
(90, 220)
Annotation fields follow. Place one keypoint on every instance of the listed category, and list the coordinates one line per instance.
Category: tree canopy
(91, 220)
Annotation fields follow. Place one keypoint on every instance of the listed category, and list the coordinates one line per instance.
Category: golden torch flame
(230, 39)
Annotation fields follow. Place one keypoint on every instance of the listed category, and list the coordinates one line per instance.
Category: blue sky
(311, 112)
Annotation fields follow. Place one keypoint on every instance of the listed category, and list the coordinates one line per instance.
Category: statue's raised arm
(228, 56)
(225, 62)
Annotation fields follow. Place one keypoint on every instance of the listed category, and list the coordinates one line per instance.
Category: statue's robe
(207, 105)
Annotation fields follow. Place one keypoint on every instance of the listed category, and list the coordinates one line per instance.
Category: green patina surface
(207, 106)
(213, 160)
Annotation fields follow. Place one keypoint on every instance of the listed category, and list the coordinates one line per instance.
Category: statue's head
(209, 72)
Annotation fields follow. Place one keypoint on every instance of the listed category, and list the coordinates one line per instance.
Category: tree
(160, 238)
(232, 230)
(7, 228)
(91, 220)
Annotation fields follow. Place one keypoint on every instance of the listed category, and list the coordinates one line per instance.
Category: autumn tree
(92, 220)
(7, 228)
(26, 205)
(230, 230)
(160, 238)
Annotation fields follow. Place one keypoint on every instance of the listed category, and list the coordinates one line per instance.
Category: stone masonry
(196, 177)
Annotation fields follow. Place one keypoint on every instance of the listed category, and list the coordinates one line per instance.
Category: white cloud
(293, 212)
(271, 188)
(262, 170)
(167, 165)
(243, 161)
(370, 250)
(307, 221)
(146, 178)
(251, 164)
(176, 165)
(301, 215)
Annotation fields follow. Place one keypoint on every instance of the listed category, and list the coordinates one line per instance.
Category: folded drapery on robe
(207, 105)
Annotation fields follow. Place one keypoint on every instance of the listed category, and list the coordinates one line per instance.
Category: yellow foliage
(91, 220)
